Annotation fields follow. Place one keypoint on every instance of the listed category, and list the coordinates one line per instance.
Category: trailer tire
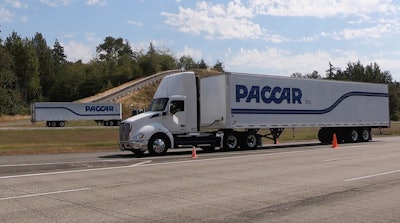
(158, 144)
(61, 124)
(249, 140)
(54, 124)
(230, 141)
(365, 134)
(354, 135)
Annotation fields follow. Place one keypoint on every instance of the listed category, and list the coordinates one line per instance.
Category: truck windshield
(158, 104)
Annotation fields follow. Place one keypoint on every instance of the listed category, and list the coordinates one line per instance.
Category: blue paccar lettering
(98, 108)
(268, 94)
(254, 94)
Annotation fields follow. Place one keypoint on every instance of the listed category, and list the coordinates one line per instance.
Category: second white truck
(228, 110)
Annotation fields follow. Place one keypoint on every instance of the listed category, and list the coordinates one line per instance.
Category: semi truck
(228, 110)
(55, 114)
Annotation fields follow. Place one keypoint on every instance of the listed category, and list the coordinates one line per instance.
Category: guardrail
(127, 88)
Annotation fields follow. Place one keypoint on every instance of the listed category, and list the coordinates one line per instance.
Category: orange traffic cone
(334, 142)
(194, 155)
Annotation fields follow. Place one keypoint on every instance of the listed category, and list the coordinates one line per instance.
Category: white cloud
(5, 15)
(134, 23)
(216, 21)
(96, 2)
(196, 54)
(17, 4)
(92, 37)
(55, 3)
(322, 9)
(78, 51)
(283, 62)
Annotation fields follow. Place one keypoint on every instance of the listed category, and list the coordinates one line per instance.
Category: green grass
(57, 140)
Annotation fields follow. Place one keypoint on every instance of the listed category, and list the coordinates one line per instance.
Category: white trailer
(227, 111)
(55, 114)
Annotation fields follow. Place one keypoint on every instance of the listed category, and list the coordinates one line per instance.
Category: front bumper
(133, 145)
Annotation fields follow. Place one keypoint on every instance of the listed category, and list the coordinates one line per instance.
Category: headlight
(138, 136)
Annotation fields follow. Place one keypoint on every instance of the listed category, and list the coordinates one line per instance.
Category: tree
(46, 65)
(26, 66)
(313, 75)
(219, 66)
(187, 63)
(202, 64)
(7, 83)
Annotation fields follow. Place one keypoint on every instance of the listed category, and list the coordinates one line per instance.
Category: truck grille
(124, 130)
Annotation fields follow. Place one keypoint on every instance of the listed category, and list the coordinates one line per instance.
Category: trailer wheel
(354, 136)
(365, 134)
(53, 124)
(61, 124)
(158, 145)
(249, 140)
(230, 141)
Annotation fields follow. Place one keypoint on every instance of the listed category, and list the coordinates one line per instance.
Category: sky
(278, 37)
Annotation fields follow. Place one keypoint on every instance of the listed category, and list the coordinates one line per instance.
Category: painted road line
(73, 171)
(346, 158)
(60, 163)
(43, 194)
(373, 175)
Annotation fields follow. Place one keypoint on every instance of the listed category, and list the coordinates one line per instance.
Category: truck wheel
(230, 141)
(354, 136)
(158, 145)
(365, 134)
(249, 141)
(111, 123)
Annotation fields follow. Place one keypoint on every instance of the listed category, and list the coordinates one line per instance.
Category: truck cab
(172, 113)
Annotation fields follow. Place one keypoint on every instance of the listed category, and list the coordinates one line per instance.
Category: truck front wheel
(158, 145)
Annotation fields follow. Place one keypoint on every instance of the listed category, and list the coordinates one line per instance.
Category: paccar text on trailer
(228, 110)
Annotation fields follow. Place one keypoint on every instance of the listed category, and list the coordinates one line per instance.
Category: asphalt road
(288, 183)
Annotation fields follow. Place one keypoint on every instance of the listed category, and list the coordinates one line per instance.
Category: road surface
(289, 183)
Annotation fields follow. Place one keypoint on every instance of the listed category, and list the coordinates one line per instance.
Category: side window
(177, 106)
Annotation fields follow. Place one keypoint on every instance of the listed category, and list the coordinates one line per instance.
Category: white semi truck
(227, 111)
(55, 114)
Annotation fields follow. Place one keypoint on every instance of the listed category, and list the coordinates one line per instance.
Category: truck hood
(143, 116)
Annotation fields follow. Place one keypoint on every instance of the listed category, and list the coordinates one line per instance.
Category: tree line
(31, 70)
(372, 73)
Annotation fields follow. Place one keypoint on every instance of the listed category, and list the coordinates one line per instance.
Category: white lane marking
(345, 158)
(73, 171)
(59, 163)
(42, 194)
(153, 164)
(373, 175)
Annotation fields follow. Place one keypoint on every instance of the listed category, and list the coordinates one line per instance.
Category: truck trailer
(227, 110)
(55, 114)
